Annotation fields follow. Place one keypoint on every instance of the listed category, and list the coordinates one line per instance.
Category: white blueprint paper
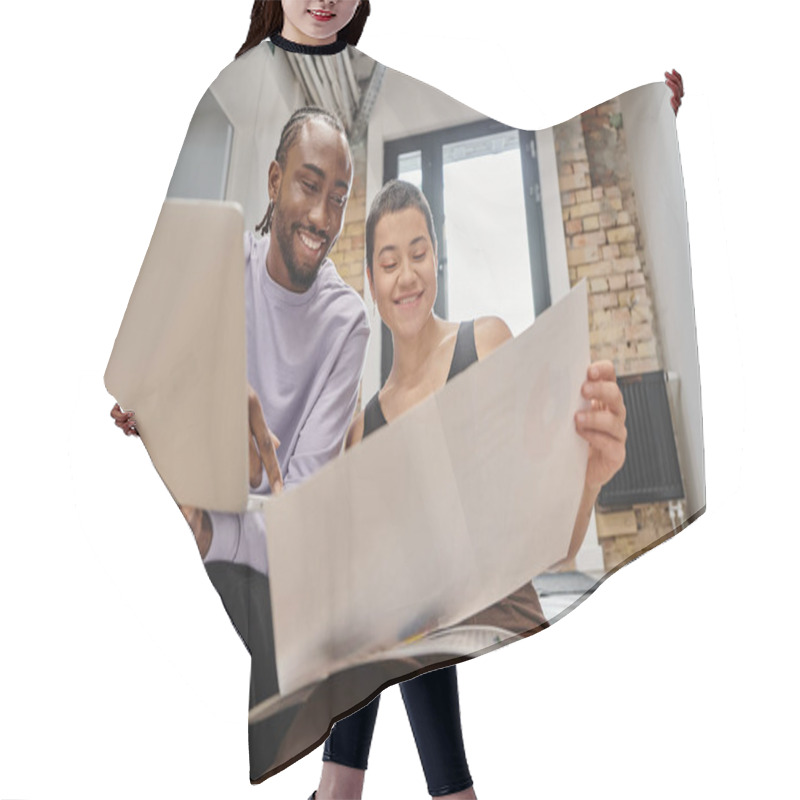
(433, 518)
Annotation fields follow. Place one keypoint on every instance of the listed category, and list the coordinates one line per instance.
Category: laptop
(179, 359)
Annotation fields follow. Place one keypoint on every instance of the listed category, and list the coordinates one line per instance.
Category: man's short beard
(300, 279)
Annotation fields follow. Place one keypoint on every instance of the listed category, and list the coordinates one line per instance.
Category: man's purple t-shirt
(305, 354)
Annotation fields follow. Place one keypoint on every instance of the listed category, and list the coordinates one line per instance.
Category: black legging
(432, 706)
(431, 699)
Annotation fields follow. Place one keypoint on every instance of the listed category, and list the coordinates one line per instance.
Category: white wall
(202, 169)
(661, 206)
(268, 76)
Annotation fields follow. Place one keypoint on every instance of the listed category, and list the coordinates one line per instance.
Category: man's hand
(124, 420)
(675, 83)
(200, 523)
(602, 425)
(263, 446)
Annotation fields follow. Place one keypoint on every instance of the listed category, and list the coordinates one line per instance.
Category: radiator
(651, 472)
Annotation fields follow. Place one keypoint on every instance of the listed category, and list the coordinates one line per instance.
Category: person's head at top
(308, 185)
(401, 257)
(306, 22)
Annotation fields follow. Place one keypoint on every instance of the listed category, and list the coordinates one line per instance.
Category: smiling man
(307, 333)
(307, 330)
(309, 182)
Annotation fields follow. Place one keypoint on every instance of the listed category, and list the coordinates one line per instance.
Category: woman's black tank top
(464, 355)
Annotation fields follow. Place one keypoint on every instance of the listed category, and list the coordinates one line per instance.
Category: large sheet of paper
(435, 517)
(179, 356)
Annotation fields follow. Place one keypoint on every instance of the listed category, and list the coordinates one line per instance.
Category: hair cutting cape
(431, 541)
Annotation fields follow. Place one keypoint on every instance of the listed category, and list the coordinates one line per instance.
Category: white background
(120, 674)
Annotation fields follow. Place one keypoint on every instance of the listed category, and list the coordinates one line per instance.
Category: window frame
(431, 147)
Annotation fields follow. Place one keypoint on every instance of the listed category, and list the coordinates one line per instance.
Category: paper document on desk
(438, 515)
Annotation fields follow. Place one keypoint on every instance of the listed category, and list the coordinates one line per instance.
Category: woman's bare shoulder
(356, 432)
(490, 333)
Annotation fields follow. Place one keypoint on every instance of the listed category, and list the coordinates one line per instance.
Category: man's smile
(311, 241)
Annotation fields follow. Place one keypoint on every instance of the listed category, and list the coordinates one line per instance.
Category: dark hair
(266, 19)
(291, 130)
(395, 196)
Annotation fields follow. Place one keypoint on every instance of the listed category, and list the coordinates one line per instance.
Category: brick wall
(603, 238)
(604, 245)
(348, 254)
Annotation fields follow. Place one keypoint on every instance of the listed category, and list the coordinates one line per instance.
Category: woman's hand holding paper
(602, 425)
